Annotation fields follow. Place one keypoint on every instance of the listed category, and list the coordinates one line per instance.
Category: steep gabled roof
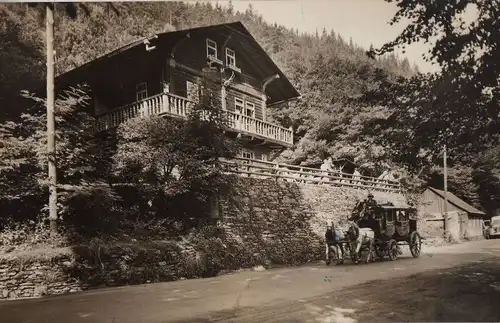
(457, 202)
(257, 55)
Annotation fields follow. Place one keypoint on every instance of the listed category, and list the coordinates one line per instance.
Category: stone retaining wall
(19, 279)
(272, 204)
(273, 222)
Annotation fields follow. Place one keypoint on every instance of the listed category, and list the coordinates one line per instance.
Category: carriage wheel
(393, 250)
(415, 244)
(380, 250)
(354, 257)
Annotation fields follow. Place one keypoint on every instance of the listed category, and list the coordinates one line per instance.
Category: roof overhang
(279, 90)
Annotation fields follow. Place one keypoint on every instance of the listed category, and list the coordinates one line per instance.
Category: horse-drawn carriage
(376, 229)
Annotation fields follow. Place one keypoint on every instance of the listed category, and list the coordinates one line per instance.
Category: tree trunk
(51, 142)
(445, 194)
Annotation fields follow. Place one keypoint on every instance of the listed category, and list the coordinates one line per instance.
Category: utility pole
(445, 175)
(51, 131)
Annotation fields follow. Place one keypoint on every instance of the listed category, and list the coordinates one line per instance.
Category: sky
(366, 21)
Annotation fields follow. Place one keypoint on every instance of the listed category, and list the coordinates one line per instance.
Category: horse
(361, 237)
(333, 241)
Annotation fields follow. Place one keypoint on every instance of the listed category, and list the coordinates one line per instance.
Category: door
(463, 223)
(192, 91)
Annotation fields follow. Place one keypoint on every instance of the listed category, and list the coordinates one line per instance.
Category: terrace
(168, 104)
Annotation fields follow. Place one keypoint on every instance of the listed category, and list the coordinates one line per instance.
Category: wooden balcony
(176, 106)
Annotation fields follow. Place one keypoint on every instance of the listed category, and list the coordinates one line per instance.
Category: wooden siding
(434, 204)
(192, 52)
(179, 79)
(474, 227)
(232, 94)
(116, 85)
(194, 57)
(461, 224)
(244, 91)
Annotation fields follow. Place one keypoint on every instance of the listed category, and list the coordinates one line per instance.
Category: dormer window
(230, 57)
(211, 48)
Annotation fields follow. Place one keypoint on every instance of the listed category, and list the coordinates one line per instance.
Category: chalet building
(464, 220)
(162, 75)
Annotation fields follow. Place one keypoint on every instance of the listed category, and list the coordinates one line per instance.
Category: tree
(79, 153)
(467, 50)
(173, 167)
(71, 10)
(21, 58)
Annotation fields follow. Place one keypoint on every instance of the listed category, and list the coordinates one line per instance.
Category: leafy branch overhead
(464, 38)
(459, 105)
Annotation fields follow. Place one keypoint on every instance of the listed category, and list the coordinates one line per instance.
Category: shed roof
(457, 202)
(284, 92)
(396, 207)
(345, 161)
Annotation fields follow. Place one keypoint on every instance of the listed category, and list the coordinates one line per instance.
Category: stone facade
(20, 279)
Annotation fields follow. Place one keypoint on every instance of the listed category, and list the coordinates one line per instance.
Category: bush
(293, 252)
(27, 235)
(216, 251)
(115, 264)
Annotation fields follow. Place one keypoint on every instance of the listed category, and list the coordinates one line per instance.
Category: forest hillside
(327, 69)
(330, 72)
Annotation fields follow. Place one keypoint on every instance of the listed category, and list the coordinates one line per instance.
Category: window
(141, 91)
(389, 216)
(401, 216)
(247, 154)
(211, 48)
(230, 57)
(243, 107)
(250, 110)
(239, 105)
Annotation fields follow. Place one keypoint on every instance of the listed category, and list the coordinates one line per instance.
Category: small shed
(464, 220)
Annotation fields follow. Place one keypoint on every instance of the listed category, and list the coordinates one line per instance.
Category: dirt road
(458, 283)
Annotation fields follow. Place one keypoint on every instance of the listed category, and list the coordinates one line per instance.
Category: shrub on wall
(115, 264)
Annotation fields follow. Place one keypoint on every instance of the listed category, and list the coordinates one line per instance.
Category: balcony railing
(177, 106)
(258, 127)
(306, 175)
